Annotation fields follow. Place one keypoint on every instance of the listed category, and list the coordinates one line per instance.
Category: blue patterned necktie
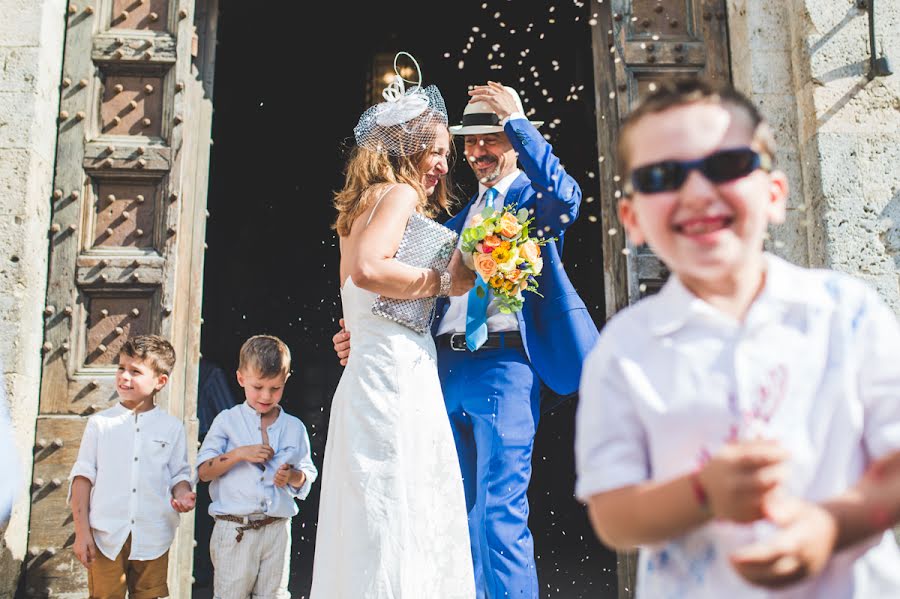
(476, 313)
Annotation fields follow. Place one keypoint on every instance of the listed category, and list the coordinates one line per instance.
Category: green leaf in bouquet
(480, 232)
(522, 215)
(487, 212)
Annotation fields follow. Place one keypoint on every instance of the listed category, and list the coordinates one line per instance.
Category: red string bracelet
(699, 491)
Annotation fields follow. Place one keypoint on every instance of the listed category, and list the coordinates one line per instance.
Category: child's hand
(740, 477)
(801, 547)
(184, 502)
(282, 475)
(255, 454)
(85, 549)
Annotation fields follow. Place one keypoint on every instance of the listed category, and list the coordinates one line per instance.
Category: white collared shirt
(454, 320)
(249, 488)
(133, 461)
(814, 365)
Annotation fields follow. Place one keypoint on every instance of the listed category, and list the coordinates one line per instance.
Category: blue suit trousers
(493, 401)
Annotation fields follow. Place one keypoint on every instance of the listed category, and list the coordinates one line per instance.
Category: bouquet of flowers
(497, 246)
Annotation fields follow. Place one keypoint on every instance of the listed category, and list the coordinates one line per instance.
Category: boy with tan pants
(131, 480)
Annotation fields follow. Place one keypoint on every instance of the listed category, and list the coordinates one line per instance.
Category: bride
(392, 514)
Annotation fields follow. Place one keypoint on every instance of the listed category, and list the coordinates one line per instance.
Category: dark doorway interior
(285, 108)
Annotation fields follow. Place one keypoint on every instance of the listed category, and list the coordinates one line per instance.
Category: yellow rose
(485, 266)
(505, 245)
(508, 225)
(530, 251)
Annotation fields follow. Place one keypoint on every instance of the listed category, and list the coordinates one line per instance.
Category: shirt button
(135, 459)
(132, 521)
(138, 430)
(262, 478)
(134, 490)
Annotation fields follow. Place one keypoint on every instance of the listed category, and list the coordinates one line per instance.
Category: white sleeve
(86, 462)
(179, 469)
(610, 442)
(9, 464)
(878, 332)
(304, 462)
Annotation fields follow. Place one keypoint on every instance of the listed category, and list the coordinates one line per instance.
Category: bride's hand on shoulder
(462, 278)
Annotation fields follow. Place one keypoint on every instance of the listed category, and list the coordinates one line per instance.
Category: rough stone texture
(31, 44)
(849, 131)
(761, 68)
(805, 63)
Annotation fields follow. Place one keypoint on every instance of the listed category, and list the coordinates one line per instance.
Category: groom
(493, 393)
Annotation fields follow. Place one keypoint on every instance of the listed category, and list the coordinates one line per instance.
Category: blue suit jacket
(557, 330)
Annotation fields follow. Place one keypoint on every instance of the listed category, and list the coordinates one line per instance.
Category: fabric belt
(457, 341)
(248, 524)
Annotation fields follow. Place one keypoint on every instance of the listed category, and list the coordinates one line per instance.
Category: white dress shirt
(133, 461)
(813, 365)
(454, 320)
(250, 488)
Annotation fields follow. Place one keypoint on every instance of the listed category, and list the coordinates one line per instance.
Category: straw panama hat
(479, 118)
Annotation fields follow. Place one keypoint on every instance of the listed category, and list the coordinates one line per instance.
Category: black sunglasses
(718, 167)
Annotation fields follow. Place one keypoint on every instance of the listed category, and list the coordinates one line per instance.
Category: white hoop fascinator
(405, 123)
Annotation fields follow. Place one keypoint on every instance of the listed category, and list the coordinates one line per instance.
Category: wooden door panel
(126, 244)
(636, 44)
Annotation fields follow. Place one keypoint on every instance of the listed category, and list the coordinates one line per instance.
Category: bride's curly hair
(367, 169)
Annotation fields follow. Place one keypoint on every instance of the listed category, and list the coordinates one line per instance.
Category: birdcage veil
(405, 123)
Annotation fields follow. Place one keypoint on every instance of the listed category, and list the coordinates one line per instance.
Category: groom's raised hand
(341, 342)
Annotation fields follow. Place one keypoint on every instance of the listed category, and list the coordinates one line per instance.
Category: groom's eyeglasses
(718, 167)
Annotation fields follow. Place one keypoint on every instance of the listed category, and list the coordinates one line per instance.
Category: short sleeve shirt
(814, 365)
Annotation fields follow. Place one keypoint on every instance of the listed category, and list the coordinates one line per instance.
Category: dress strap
(378, 201)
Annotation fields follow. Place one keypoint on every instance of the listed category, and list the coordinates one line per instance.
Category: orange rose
(530, 251)
(508, 226)
(490, 242)
(515, 275)
(485, 266)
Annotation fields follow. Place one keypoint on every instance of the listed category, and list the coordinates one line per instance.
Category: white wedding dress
(392, 515)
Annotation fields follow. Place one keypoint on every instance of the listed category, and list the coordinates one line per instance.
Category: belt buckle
(458, 342)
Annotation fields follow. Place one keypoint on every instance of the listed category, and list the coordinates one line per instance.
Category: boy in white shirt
(715, 413)
(131, 480)
(258, 459)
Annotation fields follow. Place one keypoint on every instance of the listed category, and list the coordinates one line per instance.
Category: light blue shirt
(250, 488)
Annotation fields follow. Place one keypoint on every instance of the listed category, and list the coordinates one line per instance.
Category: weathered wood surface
(126, 243)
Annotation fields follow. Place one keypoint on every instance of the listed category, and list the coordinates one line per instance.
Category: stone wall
(31, 50)
(806, 63)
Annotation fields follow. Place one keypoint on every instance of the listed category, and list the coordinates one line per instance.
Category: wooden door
(637, 43)
(126, 243)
